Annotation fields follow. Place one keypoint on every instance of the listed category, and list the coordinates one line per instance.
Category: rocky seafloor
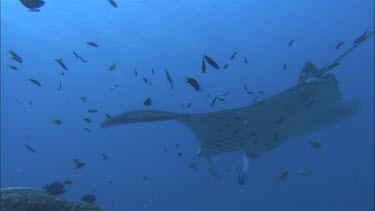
(33, 199)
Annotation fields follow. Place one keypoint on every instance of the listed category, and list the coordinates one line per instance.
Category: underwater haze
(51, 116)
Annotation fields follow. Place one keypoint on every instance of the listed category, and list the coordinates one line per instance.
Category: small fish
(87, 120)
(145, 80)
(60, 62)
(226, 93)
(290, 42)
(188, 105)
(62, 73)
(303, 172)
(244, 87)
(112, 67)
(113, 3)
(226, 66)
(147, 102)
(108, 116)
(59, 87)
(76, 55)
(56, 122)
(68, 182)
(169, 78)
(12, 67)
(255, 98)
(35, 82)
(15, 56)
(152, 71)
(220, 99)
(88, 130)
(249, 92)
(245, 60)
(285, 66)
(177, 147)
(84, 99)
(179, 154)
(203, 66)
(113, 87)
(78, 164)
(282, 176)
(233, 56)
(104, 156)
(339, 45)
(92, 110)
(193, 83)
(260, 92)
(92, 44)
(315, 144)
(82, 59)
(193, 164)
(135, 72)
(360, 38)
(29, 148)
(213, 102)
(211, 62)
(145, 178)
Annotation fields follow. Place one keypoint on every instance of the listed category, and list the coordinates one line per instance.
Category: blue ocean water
(143, 170)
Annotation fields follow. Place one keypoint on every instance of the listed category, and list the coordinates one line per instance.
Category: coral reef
(89, 198)
(32, 199)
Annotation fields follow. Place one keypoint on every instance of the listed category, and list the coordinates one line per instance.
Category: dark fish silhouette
(88, 130)
(92, 110)
(59, 87)
(213, 102)
(82, 59)
(188, 105)
(112, 67)
(361, 38)
(147, 102)
(87, 120)
(78, 164)
(135, 72)
(32, 4)
(75, 54)
(233, 56)
(211, 62)
(169, 78)
(29, 148)
(83, 99)
(315, 144)
(339, 44)
(285, 66)
(12, 67)
(244, 87)
(104, 156)
(145, 80)
(226, 93)
(203, 66)
(291, 43)
(56, 122)
(35, 82)
(152, 71)
(113, 3)
(245, 60)
(60, 62)
(108, 116)
(226, 66)
(282, 176)
(15, 56)
(92, 44)
(193, 83)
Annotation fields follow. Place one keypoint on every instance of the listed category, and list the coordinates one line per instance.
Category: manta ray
(313, 103)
